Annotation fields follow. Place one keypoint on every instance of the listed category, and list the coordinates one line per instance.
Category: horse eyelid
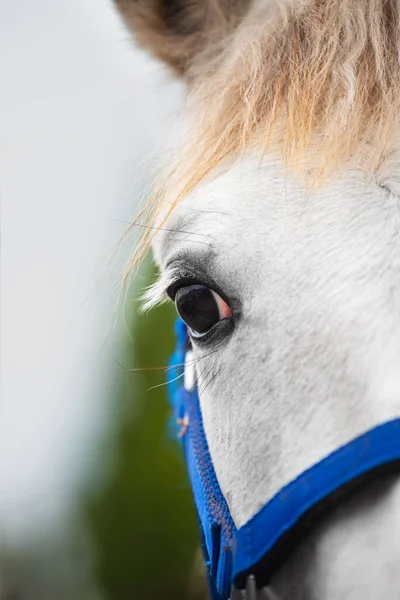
(181, 282)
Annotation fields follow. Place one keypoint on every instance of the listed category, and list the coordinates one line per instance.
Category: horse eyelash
(155, 295)
(164, 289)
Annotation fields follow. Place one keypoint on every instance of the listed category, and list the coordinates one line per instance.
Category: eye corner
(171, 292)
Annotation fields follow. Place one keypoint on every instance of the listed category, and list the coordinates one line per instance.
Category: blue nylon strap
(216, 524)
(258, 537)
(265, 541)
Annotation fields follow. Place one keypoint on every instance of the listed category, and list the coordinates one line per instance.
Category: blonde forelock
(320, 79)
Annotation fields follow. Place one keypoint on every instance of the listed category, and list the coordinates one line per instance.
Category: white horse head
(279, 239)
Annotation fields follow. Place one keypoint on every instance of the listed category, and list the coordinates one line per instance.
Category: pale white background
(80, 112)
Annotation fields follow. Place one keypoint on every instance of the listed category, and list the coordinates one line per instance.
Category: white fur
(314, 359)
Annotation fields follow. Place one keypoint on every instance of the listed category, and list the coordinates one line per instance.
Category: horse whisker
(166, 368)
(153, 387)
(201, 391)
(153, 227)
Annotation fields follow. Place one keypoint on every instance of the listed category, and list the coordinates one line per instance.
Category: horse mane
(319, 79)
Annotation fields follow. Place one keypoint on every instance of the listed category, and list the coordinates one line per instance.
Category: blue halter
(262, 545)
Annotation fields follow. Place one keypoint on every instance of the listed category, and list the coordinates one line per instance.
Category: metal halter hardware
(251, 592)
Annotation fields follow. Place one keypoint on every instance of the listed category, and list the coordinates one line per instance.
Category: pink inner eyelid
(225, 311)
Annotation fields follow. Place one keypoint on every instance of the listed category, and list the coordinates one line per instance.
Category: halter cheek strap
(215, 522)
(264, 543)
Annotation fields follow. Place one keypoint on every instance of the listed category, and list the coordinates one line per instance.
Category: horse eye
(200, 308)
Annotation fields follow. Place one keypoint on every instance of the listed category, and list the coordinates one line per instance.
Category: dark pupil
(197, 307)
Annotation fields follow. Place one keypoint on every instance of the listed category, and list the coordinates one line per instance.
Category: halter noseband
(247, 558)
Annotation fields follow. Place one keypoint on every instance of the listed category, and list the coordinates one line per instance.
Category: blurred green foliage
(142, 519)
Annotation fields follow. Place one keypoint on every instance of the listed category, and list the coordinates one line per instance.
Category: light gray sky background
(80, 109)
